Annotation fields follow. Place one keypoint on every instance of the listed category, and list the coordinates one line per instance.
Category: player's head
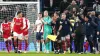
(40, 15)
(93, 13)
(45, 13)
(56, 14)
(73, 2)
(99, 16)
(5, 19)
(86, 18)
(19, 14)
(63, 16)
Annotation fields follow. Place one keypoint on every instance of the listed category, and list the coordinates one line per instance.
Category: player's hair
(40, 13)
(5, 19)
(19, 12)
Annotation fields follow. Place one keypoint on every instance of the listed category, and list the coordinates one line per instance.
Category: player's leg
(60, 46)
(60, 50)
(43, 45)
(38, 36)
(67, 41)
(47, 43)
(19, 46)
(10, 42)
(26, 43)
(64, 44)
(15, 42)
(20, 38)
(6, 42)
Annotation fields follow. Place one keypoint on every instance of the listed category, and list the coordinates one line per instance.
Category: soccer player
(18, 26)
(55, 24)
(47, 29)
(25, 33)
(64, 31)
(38, 26)
(6, 33)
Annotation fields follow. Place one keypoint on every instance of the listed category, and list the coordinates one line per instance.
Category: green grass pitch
(43, 54)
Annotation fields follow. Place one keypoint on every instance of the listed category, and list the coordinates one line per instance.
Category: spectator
(63, 5)
(68, 15)
(96, 7)
(73, 5)
(78, 2)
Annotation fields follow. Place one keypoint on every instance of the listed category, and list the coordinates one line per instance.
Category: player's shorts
(65, 38)
(6, 35)
(19, 36)
(9, 38)
(25, 33)
(38, 35)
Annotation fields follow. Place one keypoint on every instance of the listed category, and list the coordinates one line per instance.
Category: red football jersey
(25, 30)
(6, 29)
(18, 25)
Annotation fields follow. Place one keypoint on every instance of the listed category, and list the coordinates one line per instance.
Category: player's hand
(98, 33)
(58, 33)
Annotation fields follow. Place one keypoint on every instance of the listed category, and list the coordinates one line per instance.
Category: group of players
(66, 30)
(15, 32)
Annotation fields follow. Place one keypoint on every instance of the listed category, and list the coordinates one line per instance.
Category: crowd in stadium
(73, 23)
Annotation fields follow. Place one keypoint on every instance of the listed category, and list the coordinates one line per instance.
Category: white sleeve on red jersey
(28, 22)
(1, 28)
(12, 23)
(24, 23)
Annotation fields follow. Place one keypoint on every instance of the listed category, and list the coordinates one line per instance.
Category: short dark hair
(40, 13)
(5, 17)
(19, 12)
